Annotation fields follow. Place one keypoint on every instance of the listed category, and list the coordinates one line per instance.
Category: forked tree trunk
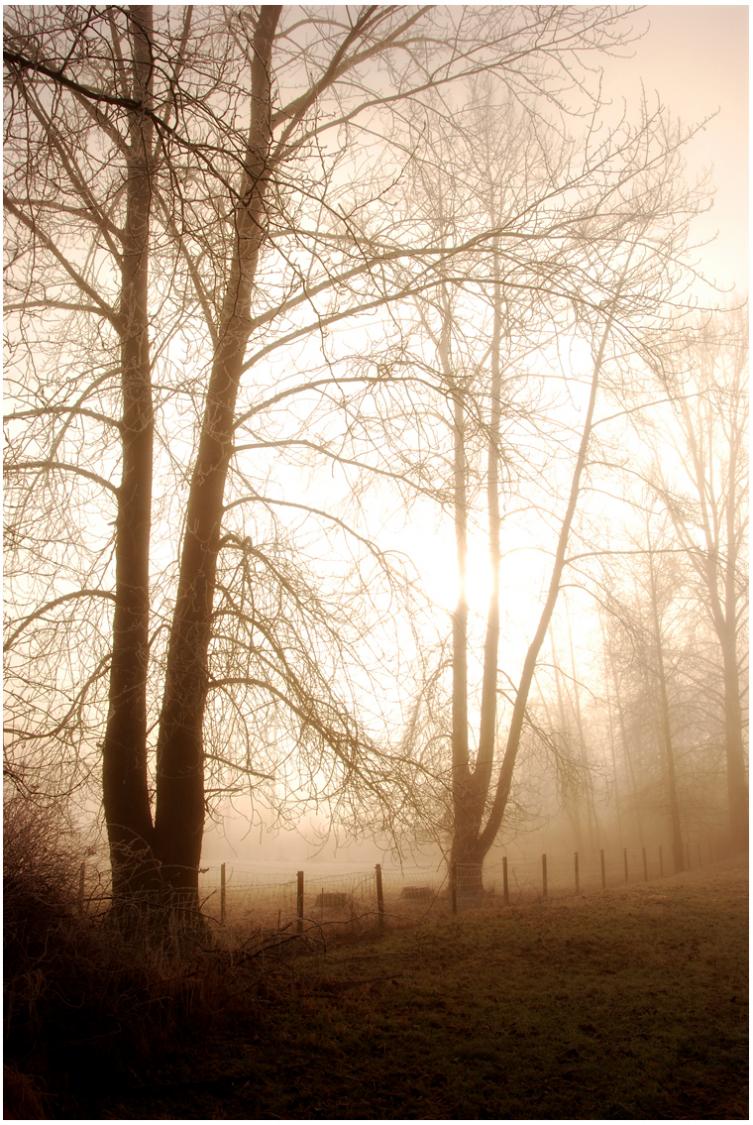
(162, 857)
(470, 783)
(179, 821)
(477, 812)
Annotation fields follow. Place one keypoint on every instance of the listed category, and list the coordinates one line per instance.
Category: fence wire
(240, 897)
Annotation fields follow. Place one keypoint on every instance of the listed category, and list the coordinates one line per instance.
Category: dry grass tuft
(84, 1007)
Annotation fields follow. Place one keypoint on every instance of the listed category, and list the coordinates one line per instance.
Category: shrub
(85, 1007)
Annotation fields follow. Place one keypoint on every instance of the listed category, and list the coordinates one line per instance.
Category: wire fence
(241, 899)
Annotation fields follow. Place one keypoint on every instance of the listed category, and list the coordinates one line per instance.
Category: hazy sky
(697, 59)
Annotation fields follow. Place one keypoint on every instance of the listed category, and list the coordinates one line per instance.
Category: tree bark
(125, 793)
(465, 830)
(180, 749)
(471, 784)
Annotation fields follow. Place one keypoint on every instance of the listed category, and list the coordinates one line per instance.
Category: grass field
(622, 1004)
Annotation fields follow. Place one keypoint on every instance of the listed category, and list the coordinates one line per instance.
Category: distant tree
(664, 687)
(706, 497)
(581, 254)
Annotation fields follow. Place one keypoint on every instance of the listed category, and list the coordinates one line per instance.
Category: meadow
(625, 1003)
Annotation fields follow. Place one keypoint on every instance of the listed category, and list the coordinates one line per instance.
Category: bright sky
(696, 57)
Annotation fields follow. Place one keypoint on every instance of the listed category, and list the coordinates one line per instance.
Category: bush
(86, 1008)
(74, 994)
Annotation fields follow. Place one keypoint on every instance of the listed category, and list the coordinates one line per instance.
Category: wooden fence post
(577, 874)
(603, 871)
(543, 875)
(505, 883)
(645, 866)
(625, 862)
(661, 860)
(454, 888)
(81, 878)
(299, 903)
(380, 895)
(223, 894)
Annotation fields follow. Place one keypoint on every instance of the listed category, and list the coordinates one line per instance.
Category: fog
(375, 516)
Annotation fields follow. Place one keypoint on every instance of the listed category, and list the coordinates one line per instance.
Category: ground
(621, 1004)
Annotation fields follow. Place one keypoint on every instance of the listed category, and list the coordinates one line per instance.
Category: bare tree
(611, 231)
(191, 197)
(706, 496)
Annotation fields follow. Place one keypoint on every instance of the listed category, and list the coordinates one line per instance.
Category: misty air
(375, 558)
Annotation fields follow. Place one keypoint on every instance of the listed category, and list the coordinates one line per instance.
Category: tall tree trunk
(737, 781)
(180, 749)
(126, 797)
(583, 760)
(471, 783)
(717, 568)
(504, 781)
(462, 854)
(665, 726)
(569, 789)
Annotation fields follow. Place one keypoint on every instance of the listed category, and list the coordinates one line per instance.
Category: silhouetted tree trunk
(179, 819)
(125, 794)
(470, 785)
(501, 794)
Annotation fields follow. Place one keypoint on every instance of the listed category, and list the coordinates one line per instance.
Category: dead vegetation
(628, 1003)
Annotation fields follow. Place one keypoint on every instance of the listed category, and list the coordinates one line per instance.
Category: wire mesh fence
(246, 898)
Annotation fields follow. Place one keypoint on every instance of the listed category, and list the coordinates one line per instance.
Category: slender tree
(707, 501)
(616, 273)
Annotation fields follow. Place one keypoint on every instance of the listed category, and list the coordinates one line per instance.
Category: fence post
(645, 865)
(505, 883)
(543, 875)
(454, 887)
(661, 860)
(603, 871)
(577, 874)
(380, 895)
(81, 878)
(299, 902)
(625, 862)
(223, 894)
